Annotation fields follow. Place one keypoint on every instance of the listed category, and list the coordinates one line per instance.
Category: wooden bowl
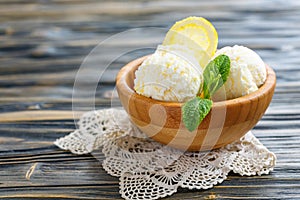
(227, 121)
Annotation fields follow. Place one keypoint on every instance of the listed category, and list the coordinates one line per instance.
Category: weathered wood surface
(42, 45)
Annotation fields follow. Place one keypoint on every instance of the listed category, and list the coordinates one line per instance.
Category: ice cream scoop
(247, 72)
(170, 74)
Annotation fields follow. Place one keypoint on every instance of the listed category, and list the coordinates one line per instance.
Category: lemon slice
(197, 34)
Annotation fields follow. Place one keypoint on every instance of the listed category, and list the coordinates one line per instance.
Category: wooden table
(42, 45)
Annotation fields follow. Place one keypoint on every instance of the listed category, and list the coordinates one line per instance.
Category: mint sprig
(194, 111)
(215, 75)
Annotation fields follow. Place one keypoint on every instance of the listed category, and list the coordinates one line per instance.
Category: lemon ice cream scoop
(170, 74)
(247, 72)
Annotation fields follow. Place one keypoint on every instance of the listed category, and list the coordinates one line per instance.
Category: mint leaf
(194, 111)
(215, 75)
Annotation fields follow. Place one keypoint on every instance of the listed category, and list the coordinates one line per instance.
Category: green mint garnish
(194, 112)
(215, 75)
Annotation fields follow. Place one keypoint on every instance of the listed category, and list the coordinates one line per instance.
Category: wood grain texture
(43, 44)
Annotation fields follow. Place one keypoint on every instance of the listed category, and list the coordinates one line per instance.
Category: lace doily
(150, 170)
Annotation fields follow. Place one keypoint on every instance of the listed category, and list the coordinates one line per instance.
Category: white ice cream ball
(170, 74)
(247, 72)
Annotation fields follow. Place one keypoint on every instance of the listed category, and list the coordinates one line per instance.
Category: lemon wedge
(197, 34)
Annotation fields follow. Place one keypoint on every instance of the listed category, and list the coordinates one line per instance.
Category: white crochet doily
(150, 170)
